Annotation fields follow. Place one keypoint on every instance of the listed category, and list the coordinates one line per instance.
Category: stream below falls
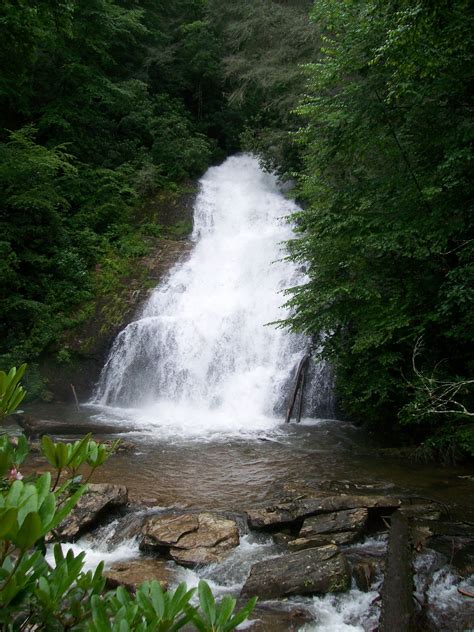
(233, 474)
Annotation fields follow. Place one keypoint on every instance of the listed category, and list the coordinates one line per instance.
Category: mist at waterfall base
(203, 359)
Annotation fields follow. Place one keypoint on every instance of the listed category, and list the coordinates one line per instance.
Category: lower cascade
(203, 353)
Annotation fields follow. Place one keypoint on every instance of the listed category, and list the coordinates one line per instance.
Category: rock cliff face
(87, 345)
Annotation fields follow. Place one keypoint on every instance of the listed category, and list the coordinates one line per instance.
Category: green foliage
(100, 103)
(12, 453)
(387, 230)
(150, 609)
(154, 609)
(219, 617)
(12, 392)
(264, 44)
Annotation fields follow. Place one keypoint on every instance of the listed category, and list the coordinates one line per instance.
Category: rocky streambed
(301, 517)
(314, 547)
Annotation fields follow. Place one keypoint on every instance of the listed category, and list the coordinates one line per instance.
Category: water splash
(202, 355)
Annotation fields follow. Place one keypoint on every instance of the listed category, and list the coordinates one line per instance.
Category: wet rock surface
(268, 617)
(94, 505)
(344, 537)
(364, 574)
(191, 539)
(36, 427)
(131, 573)
(313, 571)
(294, 511)
(339, 527)
(459, 552)
(335, 522)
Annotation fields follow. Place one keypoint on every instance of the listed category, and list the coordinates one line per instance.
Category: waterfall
(202, 354)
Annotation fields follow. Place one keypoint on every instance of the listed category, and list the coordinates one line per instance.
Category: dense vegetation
(388, 231)
(101, 102)
(366, 103)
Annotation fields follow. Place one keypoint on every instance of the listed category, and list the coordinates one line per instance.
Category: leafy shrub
(11, 391)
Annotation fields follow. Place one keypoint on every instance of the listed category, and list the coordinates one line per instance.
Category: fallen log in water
(298, 388)
(397, 590)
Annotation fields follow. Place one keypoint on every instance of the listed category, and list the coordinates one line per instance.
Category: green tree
(264, 44)
(387, 233)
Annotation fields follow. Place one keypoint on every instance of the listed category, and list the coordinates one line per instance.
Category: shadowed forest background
(367, 105)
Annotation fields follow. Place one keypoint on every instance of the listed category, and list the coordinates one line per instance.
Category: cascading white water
(202, 355)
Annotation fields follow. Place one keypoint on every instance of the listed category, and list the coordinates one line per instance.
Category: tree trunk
(397, 590)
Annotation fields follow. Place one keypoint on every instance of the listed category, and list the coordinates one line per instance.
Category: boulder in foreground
(191, 539)
(131, 573)
(99, 499)
(313, 571)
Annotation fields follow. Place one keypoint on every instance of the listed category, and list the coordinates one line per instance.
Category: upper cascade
(202, 352)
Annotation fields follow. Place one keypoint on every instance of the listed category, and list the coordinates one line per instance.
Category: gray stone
(283, 539)
(364, 573)
(95, 504)
(291, 512)
(313, 571)
(422, 511)
(335, 522)
(321, 539)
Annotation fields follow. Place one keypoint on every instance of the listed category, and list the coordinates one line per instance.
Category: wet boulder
(99, 500)
(191, 539)
(337, 527)
(459, 551)
(282, 538)
(35, 428)
(422, 512)
(322, 539)
(364, 573)
(335, 522)
(279, 617)
(367, 565)
(131, 573)
(292, 512)
(312, 571)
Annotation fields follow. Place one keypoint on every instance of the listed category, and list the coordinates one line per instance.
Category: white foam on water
(354, 611)
(229, 575)
(447, 607)
(100, 549)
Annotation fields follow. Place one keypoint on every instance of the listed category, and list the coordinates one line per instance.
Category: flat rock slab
(132, 573)
(423, 511)
(191, 539)
(34, 427)
(291, 512)
(336, 527)
(313, 571)
(99, 499)
(322, 539)
(335, 522)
